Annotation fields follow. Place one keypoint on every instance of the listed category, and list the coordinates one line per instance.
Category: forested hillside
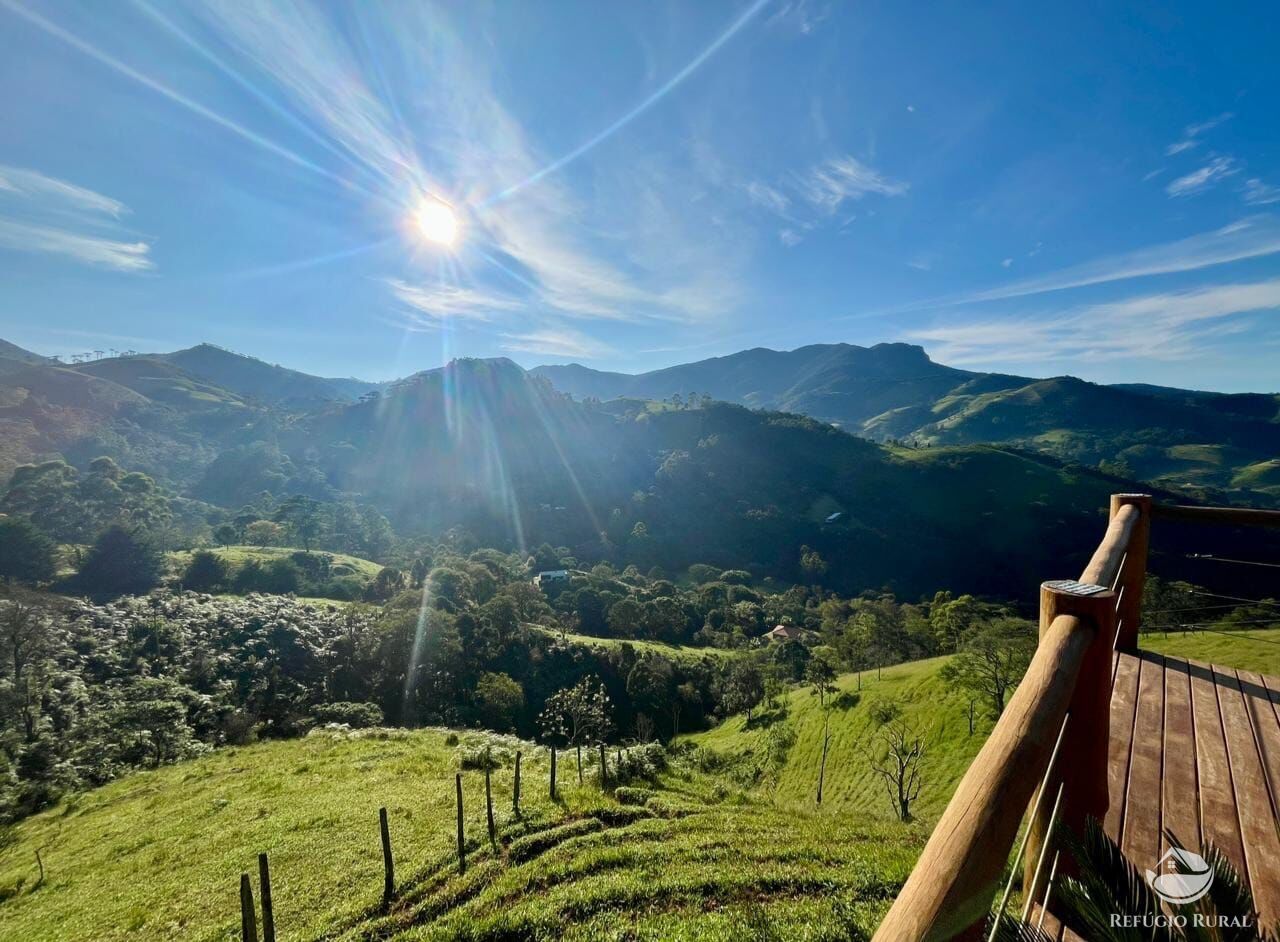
(1196, 442)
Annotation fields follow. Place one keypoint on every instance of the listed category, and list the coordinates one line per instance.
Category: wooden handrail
(1104, 567)
(1228, 516)
(949, 892)
(951, 888)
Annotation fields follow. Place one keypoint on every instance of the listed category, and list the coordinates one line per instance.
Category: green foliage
(499, 700)
(992, 659)
(207, 572)
(26, 554)
(122, 561)
(355, 715)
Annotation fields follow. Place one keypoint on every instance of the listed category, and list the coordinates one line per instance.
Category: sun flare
(437, 222)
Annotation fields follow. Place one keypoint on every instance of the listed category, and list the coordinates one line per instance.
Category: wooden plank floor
(1195, 749)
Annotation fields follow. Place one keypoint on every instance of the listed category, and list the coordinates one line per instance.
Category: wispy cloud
(525, 224)
(1254, 237)
(1258, 193)
(806, 200)
(556, 342)
(1164, 326)
(43, 214)
(1217, 169)
(439, 302)
(833, 182)
(1193, 131)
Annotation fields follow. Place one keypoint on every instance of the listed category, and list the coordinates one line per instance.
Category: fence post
(604, 768)
(388, 866)
(553, 773)
(248, 921)
(1133, 574)
(515, 794)
(462, 847)
(268, 911)
(1082, 769)
(488, 807)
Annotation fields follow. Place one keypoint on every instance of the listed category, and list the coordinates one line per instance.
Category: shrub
(355, 715)
(26, 554)
(206, 572)
(120, 562)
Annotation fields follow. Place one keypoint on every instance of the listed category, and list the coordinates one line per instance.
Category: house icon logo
(1180, 887)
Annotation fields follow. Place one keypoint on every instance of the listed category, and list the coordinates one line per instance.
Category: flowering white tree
(578, 714)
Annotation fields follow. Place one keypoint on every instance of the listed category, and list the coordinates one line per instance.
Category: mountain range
(1178, 438)
(495, 454)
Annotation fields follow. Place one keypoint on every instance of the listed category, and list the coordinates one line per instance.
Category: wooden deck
(1195, 749)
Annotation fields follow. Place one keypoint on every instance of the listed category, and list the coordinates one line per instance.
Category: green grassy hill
(928, 705)
(1244, 650)
(341, 563)
(158, 855)
(718, 850)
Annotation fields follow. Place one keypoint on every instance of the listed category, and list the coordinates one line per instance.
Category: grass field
(707, 853)
(158, 855)
(676, 652)
(238, 555)
(928, 705)
(1245, 650)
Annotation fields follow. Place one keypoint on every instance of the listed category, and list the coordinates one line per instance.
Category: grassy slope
(158, 855)
(238, 555)
(851, 786)
(1246, 650)
(676, 652)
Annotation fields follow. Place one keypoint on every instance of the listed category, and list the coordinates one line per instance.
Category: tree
(26, 646)
(992, 659)
(742, 689)
(121, 561)
(302, 516)
(206, 572)
(812, 563)
(499, 700)
(578, 714)
(821, 676)
(264, 533)
(896, 757)
(26, 554)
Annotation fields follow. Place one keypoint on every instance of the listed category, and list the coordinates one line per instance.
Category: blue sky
(1086, 188)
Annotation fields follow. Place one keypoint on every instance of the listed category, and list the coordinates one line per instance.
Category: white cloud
(1254, 237)
(1164, 326)
(439, 302)
(1219, 168)
(454, 137)
(556, 342)
(1007, 263)
(834, 181)
(1258, 193)
(1195, 130)
(43, 214)
(790, 237)
(1191, 132)
(768, 197)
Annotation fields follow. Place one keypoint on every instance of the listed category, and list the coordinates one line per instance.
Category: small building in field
(551, 577)
(785, 633)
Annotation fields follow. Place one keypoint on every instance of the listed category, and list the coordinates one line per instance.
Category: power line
(1235, 598)
(1195, 608)
(1223, 559)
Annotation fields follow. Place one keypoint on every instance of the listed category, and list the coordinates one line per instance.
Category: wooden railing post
(1133, 573)
(1082, 767)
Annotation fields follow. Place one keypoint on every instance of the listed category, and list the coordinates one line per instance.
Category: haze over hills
(1179, 438)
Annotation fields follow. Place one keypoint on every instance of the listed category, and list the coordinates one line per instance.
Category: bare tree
(899, 765)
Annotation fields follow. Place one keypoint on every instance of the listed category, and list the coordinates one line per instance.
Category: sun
(436, 222)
